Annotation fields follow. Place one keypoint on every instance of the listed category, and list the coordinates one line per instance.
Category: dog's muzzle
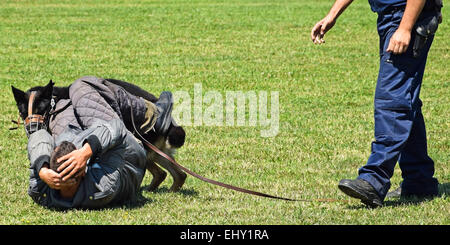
(33, 122)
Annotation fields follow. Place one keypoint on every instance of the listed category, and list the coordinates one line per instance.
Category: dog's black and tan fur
(167, 143)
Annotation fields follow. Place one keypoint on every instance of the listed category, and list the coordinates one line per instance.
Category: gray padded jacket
(113, 175)
(93, 97)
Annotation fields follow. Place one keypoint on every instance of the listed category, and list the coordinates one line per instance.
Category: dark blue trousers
(399, 125)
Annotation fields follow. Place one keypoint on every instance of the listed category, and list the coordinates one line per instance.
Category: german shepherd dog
(166, 143)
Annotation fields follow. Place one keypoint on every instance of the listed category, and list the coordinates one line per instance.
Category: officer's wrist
(405, 28)
(332, 16)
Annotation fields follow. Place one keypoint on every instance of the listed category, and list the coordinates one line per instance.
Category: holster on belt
(425, 28)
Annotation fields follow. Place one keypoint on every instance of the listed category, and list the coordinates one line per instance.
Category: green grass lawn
(325, 92)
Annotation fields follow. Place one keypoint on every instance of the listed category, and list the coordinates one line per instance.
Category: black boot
(164, 106)
(401, 193)
(395, 193)
(362, 190)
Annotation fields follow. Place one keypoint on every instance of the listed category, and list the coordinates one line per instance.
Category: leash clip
(53, 103)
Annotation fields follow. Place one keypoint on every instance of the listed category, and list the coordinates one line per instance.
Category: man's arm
(103, 137)
(324, 25)
(50, 177)
(401, 38)
(76, 162)
(40, 147)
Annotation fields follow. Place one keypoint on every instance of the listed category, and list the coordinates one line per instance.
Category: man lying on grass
(109, 166)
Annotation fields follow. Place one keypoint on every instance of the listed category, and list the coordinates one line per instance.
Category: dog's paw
(156, 181)
(178, 183)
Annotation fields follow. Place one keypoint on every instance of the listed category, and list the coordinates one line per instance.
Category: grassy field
(325, 92)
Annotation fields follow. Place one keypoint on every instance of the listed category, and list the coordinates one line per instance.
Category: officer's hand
(75, 162)
(399, 41)
(50, 177)
(319, 30)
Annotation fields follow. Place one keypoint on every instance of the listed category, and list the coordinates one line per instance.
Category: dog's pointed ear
(19, 95)
(48, 90)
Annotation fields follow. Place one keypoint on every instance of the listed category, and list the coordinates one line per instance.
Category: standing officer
(406, 29)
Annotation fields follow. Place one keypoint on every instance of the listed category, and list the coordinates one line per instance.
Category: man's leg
(399, 126)
(396, 106)
(393, 115)
(417, 167)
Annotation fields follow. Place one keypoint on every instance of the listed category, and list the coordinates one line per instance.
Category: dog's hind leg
(158, 175)
(177, 174)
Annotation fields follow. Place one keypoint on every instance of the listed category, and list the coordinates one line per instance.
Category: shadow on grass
(138, 203)
(184, 192)
(444, 191)
(142, 201)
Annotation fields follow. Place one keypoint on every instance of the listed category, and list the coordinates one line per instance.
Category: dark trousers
(399, 125)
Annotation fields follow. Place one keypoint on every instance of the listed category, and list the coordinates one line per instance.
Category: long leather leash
(40, 119)
(215, 182)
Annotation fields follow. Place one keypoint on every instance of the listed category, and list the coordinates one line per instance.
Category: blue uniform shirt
(381, 5)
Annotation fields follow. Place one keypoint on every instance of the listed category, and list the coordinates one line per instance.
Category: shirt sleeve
(106, 135)
(40, 147)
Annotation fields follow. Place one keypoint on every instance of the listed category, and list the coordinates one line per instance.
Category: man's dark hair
(63, 149)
